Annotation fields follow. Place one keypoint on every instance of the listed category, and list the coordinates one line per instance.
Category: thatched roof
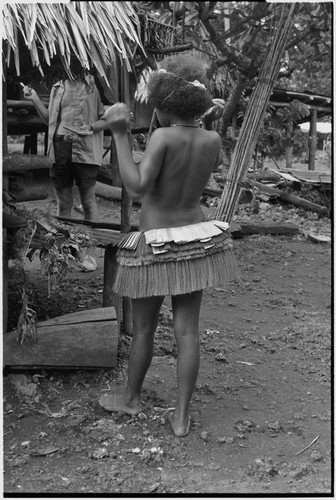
(96, 33)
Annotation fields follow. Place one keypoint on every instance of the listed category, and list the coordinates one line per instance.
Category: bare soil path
(262, 397)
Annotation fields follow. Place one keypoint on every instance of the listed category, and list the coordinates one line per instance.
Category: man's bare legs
(145, 320)
(186, 310)
(64, 199)
(89, 204)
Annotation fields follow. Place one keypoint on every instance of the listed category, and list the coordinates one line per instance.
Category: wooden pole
(289, 149)
(110, 298)
(312, 141)
(4, 122)
(5, 186)
(126, 206)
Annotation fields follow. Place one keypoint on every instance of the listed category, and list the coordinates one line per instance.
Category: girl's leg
(186, 310)
(145, 320)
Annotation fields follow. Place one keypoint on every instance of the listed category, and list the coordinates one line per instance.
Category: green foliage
(280, 131)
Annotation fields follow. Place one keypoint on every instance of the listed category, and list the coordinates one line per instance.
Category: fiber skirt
(174, 261)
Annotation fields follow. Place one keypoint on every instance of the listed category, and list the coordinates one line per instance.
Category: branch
(177, 48)
(206, 12)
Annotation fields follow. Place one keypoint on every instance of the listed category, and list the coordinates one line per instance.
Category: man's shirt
(88, 109)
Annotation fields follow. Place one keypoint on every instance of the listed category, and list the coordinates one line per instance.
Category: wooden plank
(88, 316)
(310, 175)
(90, 345)
(105, 237)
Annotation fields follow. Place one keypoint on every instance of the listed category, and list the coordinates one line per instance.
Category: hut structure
(116, 41)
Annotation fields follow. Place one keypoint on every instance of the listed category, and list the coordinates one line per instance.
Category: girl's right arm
(31, 95)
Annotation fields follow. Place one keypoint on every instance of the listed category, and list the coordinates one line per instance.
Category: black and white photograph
(167, 249)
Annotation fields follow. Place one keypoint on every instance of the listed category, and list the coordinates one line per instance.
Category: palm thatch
(254, 116)
(96, 33)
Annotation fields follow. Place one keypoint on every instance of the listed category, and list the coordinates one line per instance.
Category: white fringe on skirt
(165, 267)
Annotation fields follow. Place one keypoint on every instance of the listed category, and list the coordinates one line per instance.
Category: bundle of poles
(254, 116)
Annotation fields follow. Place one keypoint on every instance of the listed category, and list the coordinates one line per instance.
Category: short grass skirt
(175, 261)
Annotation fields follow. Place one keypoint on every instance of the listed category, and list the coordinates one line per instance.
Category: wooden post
(4, 281)
(126, 206)
(289, 149)
(30, 144)
(5, 182)
(109, 297)
(312, 141)
(4, 122)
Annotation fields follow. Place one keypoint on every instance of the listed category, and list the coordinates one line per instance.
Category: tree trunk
(231, 106)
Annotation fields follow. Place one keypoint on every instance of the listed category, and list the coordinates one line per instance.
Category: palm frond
(76, 27)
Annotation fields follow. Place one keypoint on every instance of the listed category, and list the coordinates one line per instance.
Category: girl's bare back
(190, 155)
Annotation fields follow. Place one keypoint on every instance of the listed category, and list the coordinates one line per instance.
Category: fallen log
(18, 162)
(30, 194)
(108, 192)
(269, 228)
(293, 199)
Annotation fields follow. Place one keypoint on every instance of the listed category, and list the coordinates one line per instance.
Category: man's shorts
(64, 172)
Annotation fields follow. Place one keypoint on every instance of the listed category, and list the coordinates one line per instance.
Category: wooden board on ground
(311, 176)
(87, 339)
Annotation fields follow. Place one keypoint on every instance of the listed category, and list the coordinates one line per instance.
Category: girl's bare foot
(180, 430)
(116, 402)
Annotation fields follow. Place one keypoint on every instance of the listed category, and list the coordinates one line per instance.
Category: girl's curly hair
(173, 92)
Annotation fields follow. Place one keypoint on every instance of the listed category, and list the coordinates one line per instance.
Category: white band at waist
(184, 234)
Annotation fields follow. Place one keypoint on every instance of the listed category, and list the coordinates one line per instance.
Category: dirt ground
(261, 412)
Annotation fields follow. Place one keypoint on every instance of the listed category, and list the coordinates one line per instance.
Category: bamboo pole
(255, 112)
